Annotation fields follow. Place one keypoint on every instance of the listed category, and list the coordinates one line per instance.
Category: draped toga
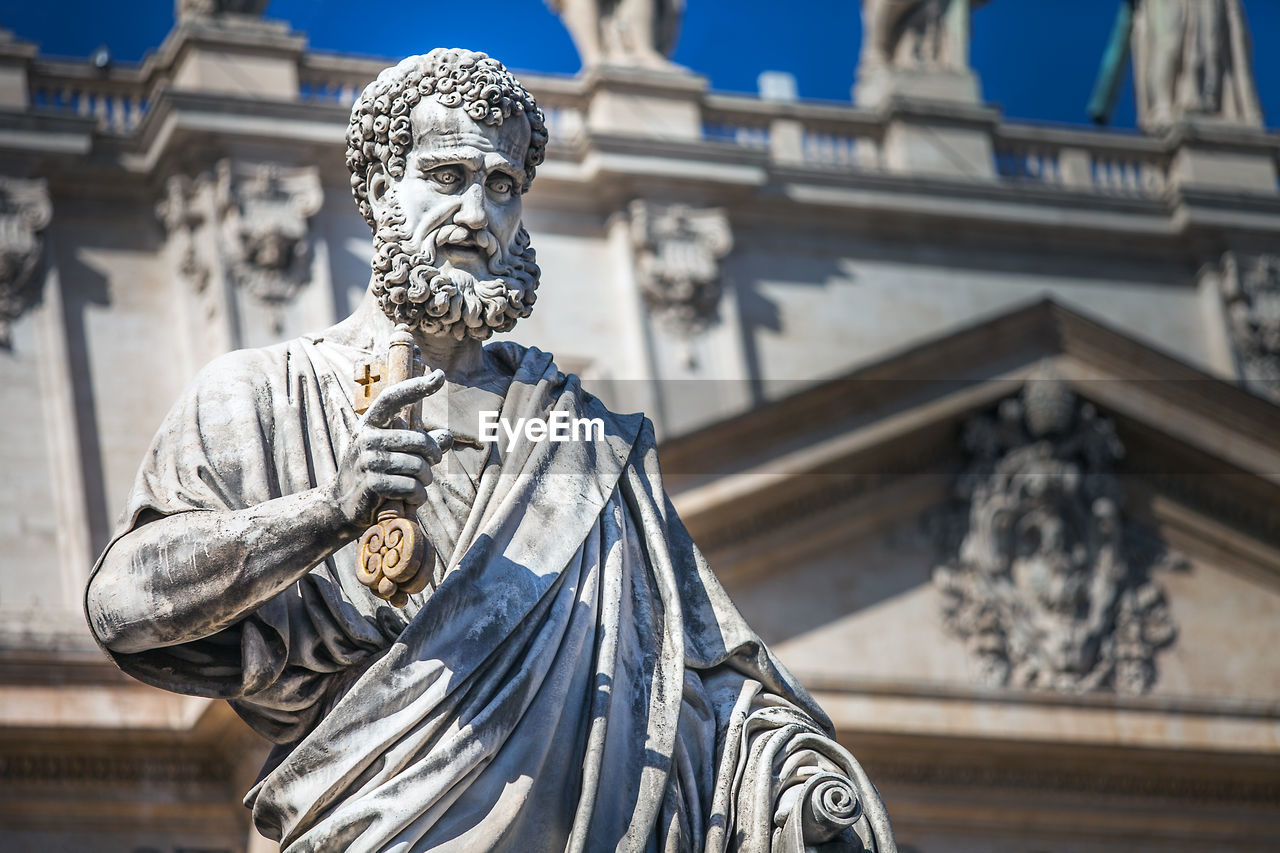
(577, 680)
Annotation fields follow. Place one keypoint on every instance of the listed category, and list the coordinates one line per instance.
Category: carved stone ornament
(263, 210)
(1049, 586)
(625, 33)
(25, 211)
(1251, 295)
(183, 217)
(917, 34)
(678, 253)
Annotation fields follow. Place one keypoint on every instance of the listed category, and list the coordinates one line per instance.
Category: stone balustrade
(331, 78)
(815, 135)
(1112, 163)
(818, 135)
(117, 98)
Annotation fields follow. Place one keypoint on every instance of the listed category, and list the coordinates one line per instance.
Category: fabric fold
(578, 680)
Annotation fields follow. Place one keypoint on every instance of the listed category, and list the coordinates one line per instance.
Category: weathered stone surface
(847, 252)
(915, 49)
(569, 673)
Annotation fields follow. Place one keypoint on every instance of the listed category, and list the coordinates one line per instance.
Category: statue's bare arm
(187, 576)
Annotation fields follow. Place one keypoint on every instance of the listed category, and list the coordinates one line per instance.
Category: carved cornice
(923, 767)
(59, 667)
(25, 211)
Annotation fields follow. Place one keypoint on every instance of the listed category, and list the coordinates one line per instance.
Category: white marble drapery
(578, 680)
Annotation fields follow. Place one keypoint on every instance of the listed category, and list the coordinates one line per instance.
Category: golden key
(395, 557)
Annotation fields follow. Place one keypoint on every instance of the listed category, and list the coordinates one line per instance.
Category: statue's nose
(472, 213)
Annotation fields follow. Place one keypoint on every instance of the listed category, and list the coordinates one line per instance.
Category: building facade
(978, 421)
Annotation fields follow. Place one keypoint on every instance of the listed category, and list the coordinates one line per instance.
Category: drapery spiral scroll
(828, 805)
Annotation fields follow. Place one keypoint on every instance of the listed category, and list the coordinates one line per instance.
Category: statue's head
(442, 148)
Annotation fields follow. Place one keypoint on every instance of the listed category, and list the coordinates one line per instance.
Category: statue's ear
(379, 190)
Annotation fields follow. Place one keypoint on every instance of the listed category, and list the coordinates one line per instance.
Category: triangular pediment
(1196, 436)
(824, 514)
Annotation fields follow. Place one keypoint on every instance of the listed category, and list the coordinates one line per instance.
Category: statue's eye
(501, 184)
(446, 176)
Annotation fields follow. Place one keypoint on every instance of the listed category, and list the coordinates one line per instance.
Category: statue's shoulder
(261, 367)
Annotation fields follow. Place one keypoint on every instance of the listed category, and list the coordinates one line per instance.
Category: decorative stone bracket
(264, 210)
(25, 211)
(678, 252)
(1251, 299)
(1049, 585)
(261, 239)
(242, 225)
(184, 216)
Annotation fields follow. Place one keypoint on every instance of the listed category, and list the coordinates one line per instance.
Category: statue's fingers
(395, 398)
(443, 439)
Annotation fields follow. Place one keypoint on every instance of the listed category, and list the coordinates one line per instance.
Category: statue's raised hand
(384, 462)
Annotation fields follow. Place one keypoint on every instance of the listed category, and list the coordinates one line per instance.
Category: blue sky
(1037, 58)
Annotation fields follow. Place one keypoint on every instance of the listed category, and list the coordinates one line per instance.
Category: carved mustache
(459, 235)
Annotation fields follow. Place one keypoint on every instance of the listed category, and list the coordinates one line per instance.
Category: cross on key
(369, 382)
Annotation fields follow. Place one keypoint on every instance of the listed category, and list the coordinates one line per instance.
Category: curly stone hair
(380, 130)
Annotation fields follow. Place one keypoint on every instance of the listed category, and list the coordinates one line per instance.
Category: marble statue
(916, 34)
(563, 670)
(184, 9)
(635, 33)
(1190, 58)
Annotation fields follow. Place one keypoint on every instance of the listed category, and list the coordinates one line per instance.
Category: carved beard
(411, 289)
